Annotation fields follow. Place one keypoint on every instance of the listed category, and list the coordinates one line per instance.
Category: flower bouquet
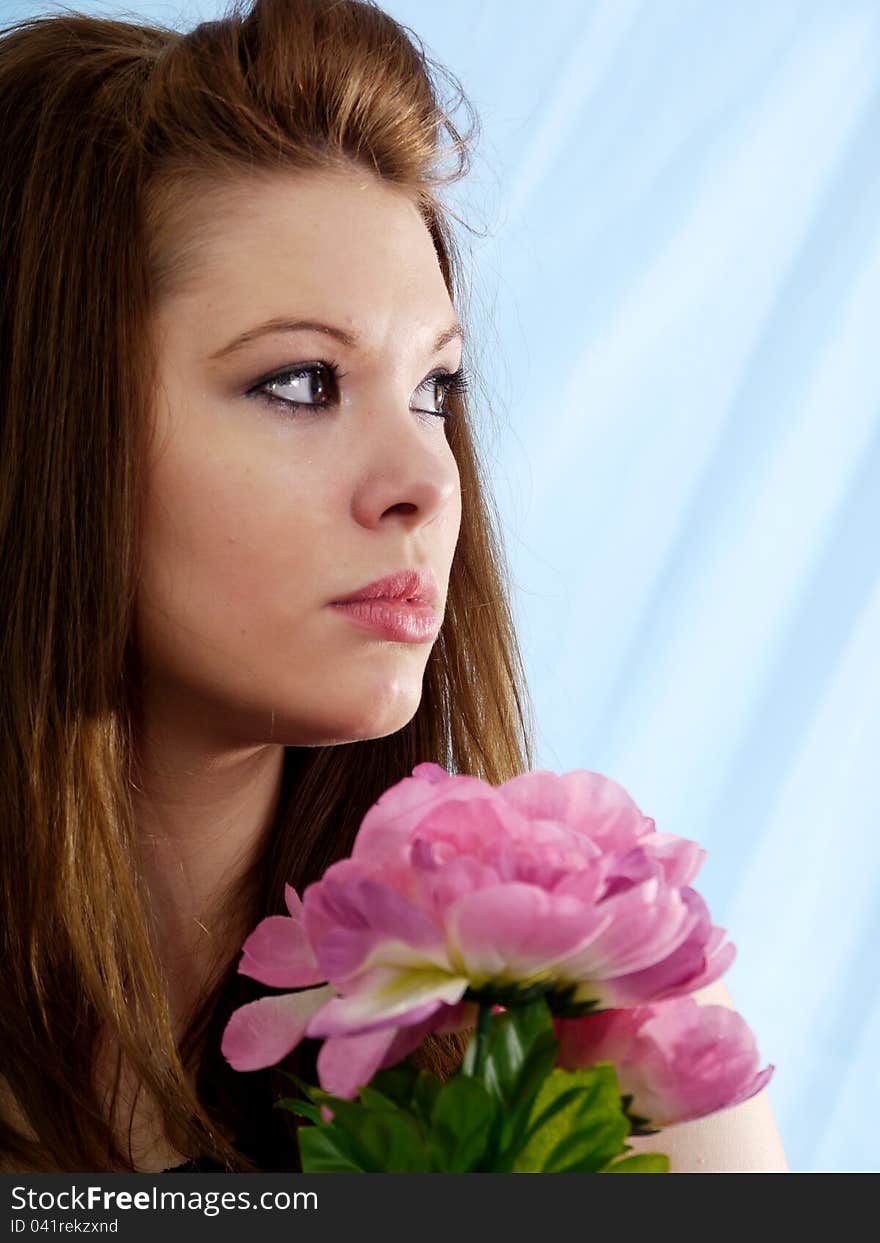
(547, 917)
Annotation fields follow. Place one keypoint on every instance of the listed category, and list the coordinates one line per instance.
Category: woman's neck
(201, 819)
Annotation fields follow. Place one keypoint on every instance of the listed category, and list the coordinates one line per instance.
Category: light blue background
(678, 304)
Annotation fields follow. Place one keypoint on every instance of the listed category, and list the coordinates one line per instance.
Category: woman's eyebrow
(309, 325)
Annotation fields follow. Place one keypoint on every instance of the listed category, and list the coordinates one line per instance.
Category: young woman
(231, 344)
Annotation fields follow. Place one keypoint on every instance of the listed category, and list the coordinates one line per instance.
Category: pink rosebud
(678, 1059)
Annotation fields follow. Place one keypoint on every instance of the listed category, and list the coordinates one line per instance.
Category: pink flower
(262, 1033)
(457, 888)
(679, 1060)
(555, 881)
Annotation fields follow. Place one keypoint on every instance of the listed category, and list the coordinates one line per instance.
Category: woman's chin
(373, 718)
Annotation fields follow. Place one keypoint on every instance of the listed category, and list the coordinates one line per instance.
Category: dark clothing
(264, 1134)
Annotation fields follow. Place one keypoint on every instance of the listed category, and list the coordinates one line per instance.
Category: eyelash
(450, 382)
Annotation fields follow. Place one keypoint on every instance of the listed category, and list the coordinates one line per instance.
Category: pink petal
(346, 1063)
(752, 1087)
(680, 858)
(387, 828)
(594, 805)
(606, 1036)
(478, 827)
(586, 884)
(693, 964)
(293, 901)
(262, 1032)
(278, 953)
(349, 920)
(643, 926)
(387, 996)
(715, 966)
(431, 772)
(443, 884)
(512, 932)
(352, 1021)
(628, 870)
(455, 1018)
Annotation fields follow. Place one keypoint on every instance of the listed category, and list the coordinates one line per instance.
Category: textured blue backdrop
(677, 301)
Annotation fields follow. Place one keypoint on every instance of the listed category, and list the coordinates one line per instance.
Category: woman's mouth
(401, 621)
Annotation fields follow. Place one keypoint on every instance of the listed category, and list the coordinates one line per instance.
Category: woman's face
(259, 513)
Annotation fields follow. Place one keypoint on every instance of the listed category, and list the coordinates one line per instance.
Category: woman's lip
(397, 620)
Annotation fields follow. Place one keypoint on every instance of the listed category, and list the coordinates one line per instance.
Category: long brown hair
(106, 129)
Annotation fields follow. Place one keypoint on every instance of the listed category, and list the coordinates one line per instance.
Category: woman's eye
(443, 384)
(309, 385)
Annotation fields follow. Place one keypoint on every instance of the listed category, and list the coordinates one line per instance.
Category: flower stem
(483, 1018)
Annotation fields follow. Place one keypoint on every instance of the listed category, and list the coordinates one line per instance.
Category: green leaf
(399, 1144)
(374, 1134)
(388, 1140)
(460, 1125)
(641, 1163)
(425, 1092)
(585, 1133)
(533, 1074)
(398, 1083)
(351, 1142)
(320, 1152)
(352, 1131)
(510, 1038)
(301, 1108)
(520, 1050)
(336, 1103)
(377, 1102)
(307, 1088)
(558, 1103)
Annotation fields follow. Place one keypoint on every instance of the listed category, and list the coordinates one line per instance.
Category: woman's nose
(408, 469)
